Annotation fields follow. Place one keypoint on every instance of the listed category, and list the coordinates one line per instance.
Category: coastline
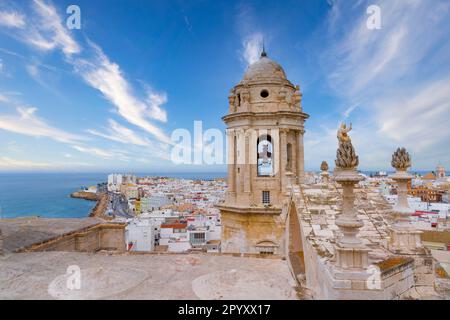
(102, 203)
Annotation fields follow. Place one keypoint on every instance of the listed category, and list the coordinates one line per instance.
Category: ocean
(48, 194)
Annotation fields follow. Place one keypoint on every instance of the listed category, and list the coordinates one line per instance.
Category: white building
(417, 204)
(139, 235)
(427, 214)
(175, 236)
(156, 202)
(114, 182)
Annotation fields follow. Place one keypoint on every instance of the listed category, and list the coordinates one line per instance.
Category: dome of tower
(263, 69)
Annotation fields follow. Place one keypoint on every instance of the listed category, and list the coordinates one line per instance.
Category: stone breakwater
(102, 202)
(100, 208)
(86, 195)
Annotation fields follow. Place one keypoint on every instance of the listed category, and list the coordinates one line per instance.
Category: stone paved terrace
(22, 232)
(42, 275)
(319, 212)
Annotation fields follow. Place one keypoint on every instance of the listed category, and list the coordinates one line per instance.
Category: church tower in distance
(265, 128)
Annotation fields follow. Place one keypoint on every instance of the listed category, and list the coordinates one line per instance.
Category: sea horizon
(47, 194)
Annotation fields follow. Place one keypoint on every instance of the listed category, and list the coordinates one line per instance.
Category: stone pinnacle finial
(401, 159)
(324, 166)
(346, 157)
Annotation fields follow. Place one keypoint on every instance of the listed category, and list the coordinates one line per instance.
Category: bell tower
(265, 127)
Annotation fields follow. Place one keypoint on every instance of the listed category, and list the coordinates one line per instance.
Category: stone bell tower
(265, 127)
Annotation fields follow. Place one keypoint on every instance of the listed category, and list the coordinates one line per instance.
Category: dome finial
(263, 53)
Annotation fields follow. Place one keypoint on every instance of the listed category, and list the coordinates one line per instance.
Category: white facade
(114, 182)
(170, 234)
(155, 202)
(417, 204)
(181, 245)
(432, 213)
(139, 235)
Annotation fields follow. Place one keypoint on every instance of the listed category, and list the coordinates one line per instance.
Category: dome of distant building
(263, 69)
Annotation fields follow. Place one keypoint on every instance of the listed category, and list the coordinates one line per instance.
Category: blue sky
(107, 97)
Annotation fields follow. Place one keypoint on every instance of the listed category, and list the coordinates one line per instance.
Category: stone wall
(241, 233)
(113, 239)
(326, 282)
(91, 239)
(388, 277)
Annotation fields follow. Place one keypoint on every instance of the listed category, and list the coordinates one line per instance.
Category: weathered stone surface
(43, 275)
(23, 232)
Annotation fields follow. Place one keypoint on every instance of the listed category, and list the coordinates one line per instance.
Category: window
(198, 238)
(264, 93)
(266, 247)
(265, 251)
(266, 197)
(238, 100)
(265, 156)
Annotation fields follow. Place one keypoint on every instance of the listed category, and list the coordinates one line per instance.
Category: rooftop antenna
(263, 53)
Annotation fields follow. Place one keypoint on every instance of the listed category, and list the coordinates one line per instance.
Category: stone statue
(346, 157)
(343, 131)
(324, 166)
(401, 159)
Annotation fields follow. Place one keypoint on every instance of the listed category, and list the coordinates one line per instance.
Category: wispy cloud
(3, 98)
(45, 32)
(26, 122)
(99, 72)
(395, 89)
(8, 163)
(49, 32)
(252, 46)
(106, 154)
(119, 133)
(155, 101)
(425, 111)
(250, 33)
(107, 77)
(12, 19)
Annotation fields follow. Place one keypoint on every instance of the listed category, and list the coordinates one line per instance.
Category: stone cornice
(282, 113)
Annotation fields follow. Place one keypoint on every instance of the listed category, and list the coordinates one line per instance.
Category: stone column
(247, 163)
(283, 159)
(300, 156)
(351, 253)
(240, 156)
(405, 238)
(231, 165)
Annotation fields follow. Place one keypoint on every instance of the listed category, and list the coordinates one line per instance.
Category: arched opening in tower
(265, 156)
